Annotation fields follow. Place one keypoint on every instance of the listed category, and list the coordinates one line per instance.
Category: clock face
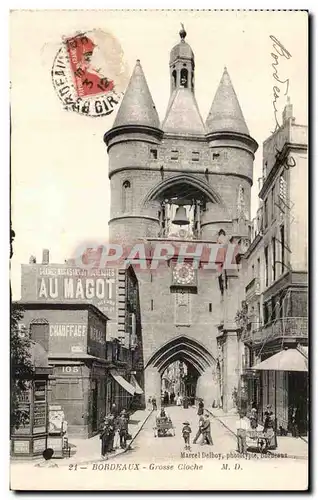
(183, 274)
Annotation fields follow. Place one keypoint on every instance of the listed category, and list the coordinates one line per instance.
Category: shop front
(284, 387)
(74, 336)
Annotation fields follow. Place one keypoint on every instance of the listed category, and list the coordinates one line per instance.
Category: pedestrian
(114, 410)
(200, 407)
(186, 431)
(104, 436)
(166, 398)
(269, 428)
(185, 402)
(149, 403)
(179, 399)
(241, 428)
(123, 428)
(206, 430)
(253, 419)
(172, 397)
(199, 432)
(111, 434)
(117, 438)
(154, 403)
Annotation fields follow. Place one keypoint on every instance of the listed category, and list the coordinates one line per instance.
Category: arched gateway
(200, 363)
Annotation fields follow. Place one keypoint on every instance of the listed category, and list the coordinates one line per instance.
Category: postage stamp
(159, 341)
(89, 73)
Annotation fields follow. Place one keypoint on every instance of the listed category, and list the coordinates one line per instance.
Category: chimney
(288, 112)
(45, 256)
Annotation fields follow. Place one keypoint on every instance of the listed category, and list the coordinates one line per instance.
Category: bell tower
(187, 183)
(182, 64)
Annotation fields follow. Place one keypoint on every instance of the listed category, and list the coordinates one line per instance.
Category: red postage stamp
(89, 73)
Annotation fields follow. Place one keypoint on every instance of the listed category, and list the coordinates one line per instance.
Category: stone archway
(193, 353)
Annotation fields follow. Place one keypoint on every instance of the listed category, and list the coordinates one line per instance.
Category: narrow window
(265, 313)
(273, 203)
(210, 307)
(126, 196)
(195, 156)
(151, 305)
(154, 154)
(265, 213)
(282, 239)
(274, 257)
(184, 78)
(174, 154)
(266, 265)
(174, 78)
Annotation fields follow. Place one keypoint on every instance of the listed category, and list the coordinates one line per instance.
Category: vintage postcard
(159, 328)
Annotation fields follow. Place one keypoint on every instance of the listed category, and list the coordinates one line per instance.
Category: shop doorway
(298, 402)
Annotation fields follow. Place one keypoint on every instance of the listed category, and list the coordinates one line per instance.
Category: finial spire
(182, 33)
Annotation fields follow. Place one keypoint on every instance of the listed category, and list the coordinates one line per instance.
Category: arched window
(126, 196)
(174, 78)
(184, 78)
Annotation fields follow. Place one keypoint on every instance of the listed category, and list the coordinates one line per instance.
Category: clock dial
(183, 274)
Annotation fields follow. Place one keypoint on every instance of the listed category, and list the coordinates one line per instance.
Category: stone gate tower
(184, 182)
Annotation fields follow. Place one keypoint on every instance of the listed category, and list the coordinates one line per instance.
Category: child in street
(186, 431)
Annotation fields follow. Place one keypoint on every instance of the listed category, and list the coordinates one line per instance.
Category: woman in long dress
(179, 400)
(200, 407)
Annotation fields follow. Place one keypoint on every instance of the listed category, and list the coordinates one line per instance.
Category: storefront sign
(96, 341)
(68, 370)
(64, 283)
(67, 337)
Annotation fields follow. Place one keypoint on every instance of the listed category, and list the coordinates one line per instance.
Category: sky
(59, 165)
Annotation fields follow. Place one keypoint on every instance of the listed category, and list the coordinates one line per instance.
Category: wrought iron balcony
(287, 328)
(253, 288)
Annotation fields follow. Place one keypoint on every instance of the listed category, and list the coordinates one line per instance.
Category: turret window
(184, 78)
(195, 156)
(154, 154)
(174, 154)
(174, 78)
(126, 196)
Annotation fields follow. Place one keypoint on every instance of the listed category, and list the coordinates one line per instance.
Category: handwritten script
(278, 53)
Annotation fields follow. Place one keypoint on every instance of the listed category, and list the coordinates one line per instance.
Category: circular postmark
(89, 73)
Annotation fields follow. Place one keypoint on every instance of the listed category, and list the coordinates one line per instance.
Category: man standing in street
(206, 430)
(123, 428)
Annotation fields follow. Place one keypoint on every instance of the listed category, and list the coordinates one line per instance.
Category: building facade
(276, 275)
(184, 181)
(93, 368)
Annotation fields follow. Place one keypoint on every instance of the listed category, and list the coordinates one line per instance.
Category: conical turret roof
(225, 114)
(183, 115)
(137, 106)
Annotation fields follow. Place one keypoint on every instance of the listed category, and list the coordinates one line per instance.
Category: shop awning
(289, 360)
(123, 382)
(137, 387)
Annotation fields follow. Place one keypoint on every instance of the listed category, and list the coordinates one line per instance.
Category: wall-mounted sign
(64, 283)
(67, 337)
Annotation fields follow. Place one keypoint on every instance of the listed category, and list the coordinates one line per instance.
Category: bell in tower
(181, 218)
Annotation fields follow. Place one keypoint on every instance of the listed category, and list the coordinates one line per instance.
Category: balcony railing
(289, 328)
